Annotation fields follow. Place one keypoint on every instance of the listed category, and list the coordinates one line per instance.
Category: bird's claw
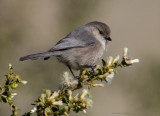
(94, 73)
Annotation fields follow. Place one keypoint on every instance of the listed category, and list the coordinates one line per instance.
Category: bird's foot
(93, 67)
(76, 77)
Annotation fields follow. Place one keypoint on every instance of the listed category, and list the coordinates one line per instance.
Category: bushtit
(80, 49)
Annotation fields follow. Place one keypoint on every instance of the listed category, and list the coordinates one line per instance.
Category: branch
(61, 102)
(6, 91)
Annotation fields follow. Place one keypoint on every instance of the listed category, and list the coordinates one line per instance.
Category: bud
(84, 111)
(134, 61)
(109, 61)
(55, 94)
(110, 70)
(106, 74)
(97, 85)
(100, 76)
(83, 72)
(10, 66)
(43, 96)
(125, 52)
(48, 93)
(69, 80)
(110, 77)
(116, 59)
(58, 103)
(76, 97)
(33, 110)
(14, 85)
(70, 94)
(84, 93)
(66, 108)
(89, 103)
(66, 114)
(13, 94)
(24, 82)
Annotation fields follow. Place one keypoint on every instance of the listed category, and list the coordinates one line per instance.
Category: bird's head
(102, 29)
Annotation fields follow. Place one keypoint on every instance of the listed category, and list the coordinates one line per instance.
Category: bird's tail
(44, 55)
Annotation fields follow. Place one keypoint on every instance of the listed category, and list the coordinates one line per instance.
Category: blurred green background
(33, 26)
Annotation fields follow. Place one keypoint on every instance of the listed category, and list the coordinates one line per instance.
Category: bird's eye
(101, 32)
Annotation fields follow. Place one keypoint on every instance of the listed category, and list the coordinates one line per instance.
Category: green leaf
(89, 92)
(70, 105)
(54, 109)
(48, 110)
(27, 114)
(103, 62)
(4, 99)
(99, 71)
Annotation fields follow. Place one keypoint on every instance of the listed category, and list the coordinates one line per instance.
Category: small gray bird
(80, 49)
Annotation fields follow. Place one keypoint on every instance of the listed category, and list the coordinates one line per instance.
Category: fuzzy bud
(97, 85)
(70, 94)
(125, 51)
(24, 82)
(109, 61)
(84, 93)
(134, 61)
(10, 66)
(33, 110)
(116, 59)
(110, 77)
(58, 103)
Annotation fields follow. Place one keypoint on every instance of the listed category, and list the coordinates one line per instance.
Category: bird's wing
(80, 37)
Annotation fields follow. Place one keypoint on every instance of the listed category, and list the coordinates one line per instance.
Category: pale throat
(99, 37)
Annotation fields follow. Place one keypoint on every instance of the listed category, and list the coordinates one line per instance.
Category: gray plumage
(81, 48)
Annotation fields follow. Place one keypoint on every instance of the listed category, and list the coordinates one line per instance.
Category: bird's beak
(108, 38)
